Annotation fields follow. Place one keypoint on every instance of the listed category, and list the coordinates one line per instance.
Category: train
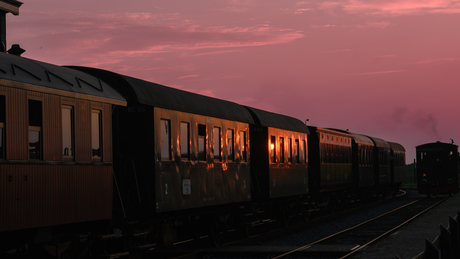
(437, 168)
(90, 152)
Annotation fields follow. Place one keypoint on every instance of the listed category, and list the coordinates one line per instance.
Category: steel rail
(393, 229)
(359, 225)
(402, 193)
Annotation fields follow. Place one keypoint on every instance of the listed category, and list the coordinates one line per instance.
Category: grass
(410, 181)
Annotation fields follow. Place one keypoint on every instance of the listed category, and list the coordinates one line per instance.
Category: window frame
(296, 153)
(168, 144)
(289, 153)
(35, 128)
(101, 144)
(202, 136)
(2, 127)
(219, 144)
(281, 145)
(273, 149)
(2, 141)
(72, 133)
(242, 147)
(230, 145)
(187, 155)
(305, 151)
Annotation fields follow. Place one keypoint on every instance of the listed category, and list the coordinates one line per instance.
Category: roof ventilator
(80, 81)
(49, 73)
(16, 50)
(13, 66)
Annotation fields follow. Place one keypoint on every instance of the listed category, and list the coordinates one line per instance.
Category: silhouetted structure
(6, 6)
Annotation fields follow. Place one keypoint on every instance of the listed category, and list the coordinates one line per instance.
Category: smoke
(416, 120)
(429, 122)
(399, 114)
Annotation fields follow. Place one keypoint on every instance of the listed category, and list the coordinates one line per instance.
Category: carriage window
(96, 134)
(185, 140)
(165, 133)
(243, 146)
(2, 138)
(345, 154)
(2, 126)
(296, 151)
(289, 150)
(338, 150)
(230, 145)
(35, 124)
(67, 132)
(370, 157)
(281, 150)
(201, 142)
(334, 153)
(304, 153)
(323, 153)
(216, 142)
(273, 149)
(350, 150)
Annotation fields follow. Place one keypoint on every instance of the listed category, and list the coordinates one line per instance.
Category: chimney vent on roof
(16, 50)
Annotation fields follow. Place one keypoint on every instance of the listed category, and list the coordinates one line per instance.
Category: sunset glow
(388, 69)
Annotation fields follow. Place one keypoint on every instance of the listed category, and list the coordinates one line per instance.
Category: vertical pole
(453, 229)
(2, 31)
(431, 252)
(445, 243)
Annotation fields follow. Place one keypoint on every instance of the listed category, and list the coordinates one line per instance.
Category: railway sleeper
(106, 246)
(118, 245)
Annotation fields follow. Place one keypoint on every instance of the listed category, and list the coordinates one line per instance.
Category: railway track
(338, 245)
(350, 241)
(194, 249)
(342, 244)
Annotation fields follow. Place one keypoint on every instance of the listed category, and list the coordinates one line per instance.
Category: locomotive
(437, 168)
(85, 150)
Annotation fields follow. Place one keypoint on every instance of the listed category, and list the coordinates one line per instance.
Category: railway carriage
(280, 165)
(179, 154)
(363, 162)
(331, 160)
(398, 164)
(437, 168)
(56, 148)
(382, 173)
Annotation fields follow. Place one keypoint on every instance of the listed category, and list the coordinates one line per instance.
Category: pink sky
(389, 69)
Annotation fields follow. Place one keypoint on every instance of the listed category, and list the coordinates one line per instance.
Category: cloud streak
(116, 36)
(380, 72)
(436, 60)
(393, 7)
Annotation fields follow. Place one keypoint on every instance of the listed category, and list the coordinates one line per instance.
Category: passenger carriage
(279, 166)
(398, 164)
(330, 155)
(178, 154)
(55, 148)
(382, 174)
(363, 162)
(332, 168)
